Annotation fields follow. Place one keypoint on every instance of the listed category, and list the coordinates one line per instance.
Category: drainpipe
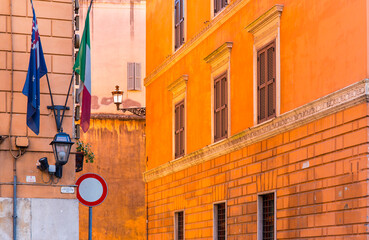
(10, 129)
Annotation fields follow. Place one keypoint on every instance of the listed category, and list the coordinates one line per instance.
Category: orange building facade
(46, 206)
(257, 122)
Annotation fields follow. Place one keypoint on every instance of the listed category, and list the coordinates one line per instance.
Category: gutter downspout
(10, 129)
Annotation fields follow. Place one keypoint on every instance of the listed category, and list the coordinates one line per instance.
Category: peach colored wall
(323, 49)
(55, 20)
(115, 40)
(119, 147)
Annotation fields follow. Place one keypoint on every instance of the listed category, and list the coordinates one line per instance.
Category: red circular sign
(91, 189)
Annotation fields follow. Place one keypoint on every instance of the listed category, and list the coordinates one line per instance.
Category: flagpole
(51, 96)
(66, 101)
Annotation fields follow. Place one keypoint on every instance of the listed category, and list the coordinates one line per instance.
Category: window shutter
(261, 87)
(220, 107)
(130, 76)
(181, 37)
(182, 126)
(176, 24)
(271, 81)
(266, 83)
(179, 126)
(176, 132)
(137, 76)
(224, 106)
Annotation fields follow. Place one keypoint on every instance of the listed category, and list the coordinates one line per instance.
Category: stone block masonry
(318, 172)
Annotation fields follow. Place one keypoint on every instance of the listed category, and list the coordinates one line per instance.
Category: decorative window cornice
(332, 103)
(178, 87)
(270, 16)
(221, 53)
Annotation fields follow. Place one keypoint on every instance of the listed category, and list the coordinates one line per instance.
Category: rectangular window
(133, 76)
(267, 216)
(266, 83)
(220, 107)
(178, 23)
(179, 129)
(220, 221)
(179, 226)
(219, 5)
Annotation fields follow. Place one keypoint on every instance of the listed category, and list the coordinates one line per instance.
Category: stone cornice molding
(178, 86)
(214, 24)
(268, 17)
(327, 105)
(219, 54)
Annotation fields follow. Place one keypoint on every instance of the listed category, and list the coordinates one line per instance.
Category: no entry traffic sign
(91, 189)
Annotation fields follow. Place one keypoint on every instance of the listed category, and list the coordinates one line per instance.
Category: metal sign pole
(89, 223)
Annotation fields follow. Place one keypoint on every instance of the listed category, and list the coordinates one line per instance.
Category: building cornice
(269, 16)
(178, 86)
(214, 24)
(225, 49)
(332, 103)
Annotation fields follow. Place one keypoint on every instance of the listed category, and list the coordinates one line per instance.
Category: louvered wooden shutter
(220, 107)
(130, 76)
(137, 76)
(181, 129)
(176, 24)
(266, 86)
(179, 137)
(181, 23)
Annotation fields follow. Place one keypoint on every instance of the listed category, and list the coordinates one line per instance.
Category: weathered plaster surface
(40, 219)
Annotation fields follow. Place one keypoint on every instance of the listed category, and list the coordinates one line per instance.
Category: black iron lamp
(118, 100)
(61, 147)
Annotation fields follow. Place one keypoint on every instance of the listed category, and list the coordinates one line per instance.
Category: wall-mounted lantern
(118, 100)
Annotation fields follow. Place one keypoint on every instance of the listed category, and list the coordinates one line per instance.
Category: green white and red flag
(82, 66)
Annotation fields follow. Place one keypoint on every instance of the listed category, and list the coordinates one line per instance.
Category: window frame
(215, 219)
(266, 29)
(178, 88)
(220, 61)
(260, 214)
(176, 227)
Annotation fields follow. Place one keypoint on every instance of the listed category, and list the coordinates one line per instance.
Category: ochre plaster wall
(323, 49)
(119, 147)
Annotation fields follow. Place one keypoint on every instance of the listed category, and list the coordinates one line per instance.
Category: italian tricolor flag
(82, 66)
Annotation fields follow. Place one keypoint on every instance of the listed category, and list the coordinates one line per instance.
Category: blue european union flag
(36, 69)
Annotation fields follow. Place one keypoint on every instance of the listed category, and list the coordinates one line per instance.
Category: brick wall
(318, 172)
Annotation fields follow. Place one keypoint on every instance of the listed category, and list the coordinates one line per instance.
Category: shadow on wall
(109, 100)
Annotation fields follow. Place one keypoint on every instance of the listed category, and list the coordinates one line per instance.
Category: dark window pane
(180, 226)
(221, 221)
(268, 216)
